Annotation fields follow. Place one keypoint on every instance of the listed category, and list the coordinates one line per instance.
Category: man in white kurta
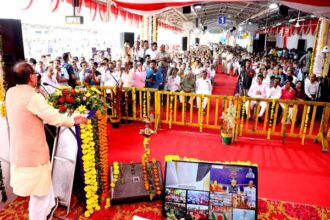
(257, 90)
(27, 111)
(203, 86)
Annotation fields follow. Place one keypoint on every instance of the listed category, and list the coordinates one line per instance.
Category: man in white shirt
(257, 90)
(312, 89)
(173, 83)
(251, 194)
(153, 52)
(203, 86)
(83, 73)
(49, 79)
(138, 52)
(61, 74)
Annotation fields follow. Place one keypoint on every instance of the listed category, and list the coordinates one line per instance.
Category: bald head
(23, 72)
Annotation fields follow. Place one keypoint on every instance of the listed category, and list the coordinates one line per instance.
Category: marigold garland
(103, 153)
(242, 116)
(170, 116)
(271, 119)
(91, 184)
(314, 48)
(156, 176)
(305, 126)
(144, 104)
(2, 96)
(201, 114)
(115, 175)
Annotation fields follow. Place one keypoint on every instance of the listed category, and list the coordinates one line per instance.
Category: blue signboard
(222, 19)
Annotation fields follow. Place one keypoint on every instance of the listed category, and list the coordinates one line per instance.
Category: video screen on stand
(210, 191)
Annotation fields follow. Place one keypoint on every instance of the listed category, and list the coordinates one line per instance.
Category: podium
(64, 158)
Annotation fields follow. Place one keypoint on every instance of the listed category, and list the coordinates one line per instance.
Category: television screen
(210, 191)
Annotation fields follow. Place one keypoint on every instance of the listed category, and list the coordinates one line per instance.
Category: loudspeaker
(258, 45)
(184, 43)
(11, 47)
(283, 10)
(186, 10)
(75, 3)
(127, 36)
(196, 40)
(301, 45)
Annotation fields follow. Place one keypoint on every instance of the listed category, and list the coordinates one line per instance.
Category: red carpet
(289, 172)
(267, 210)
(225, 85)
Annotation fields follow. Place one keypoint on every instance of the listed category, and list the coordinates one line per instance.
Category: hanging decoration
(142, 27)
(317, 57)
(89, 166)
(154, 29)
(305, 125)
(326, 55)
(103, 152)
(171, 108)
(2, 96)
(242, 115)
(201, 113)
(271, 119)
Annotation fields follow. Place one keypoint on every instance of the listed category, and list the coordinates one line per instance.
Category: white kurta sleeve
(39, 106)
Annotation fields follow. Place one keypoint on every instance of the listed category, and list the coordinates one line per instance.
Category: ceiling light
(240, 28)
(197, 6)
(292, 20)
(229, 16)
(273, 6)
(250, 22)
(313, 16)
(278, 24)
(297, 24)
(303, 19)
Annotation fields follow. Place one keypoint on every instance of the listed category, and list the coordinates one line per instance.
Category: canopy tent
(149, 7)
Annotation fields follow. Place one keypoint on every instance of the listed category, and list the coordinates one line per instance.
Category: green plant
(228, 119)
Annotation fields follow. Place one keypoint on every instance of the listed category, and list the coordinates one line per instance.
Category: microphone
(47, 84)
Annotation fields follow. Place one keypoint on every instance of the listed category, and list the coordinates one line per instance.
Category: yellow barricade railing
(282, 118)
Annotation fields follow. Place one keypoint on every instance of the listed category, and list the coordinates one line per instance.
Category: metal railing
(282, 118)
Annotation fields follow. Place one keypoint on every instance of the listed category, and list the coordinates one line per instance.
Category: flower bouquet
(228, 124)
(80, 100)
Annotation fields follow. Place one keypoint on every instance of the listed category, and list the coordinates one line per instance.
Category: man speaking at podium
(30, 169)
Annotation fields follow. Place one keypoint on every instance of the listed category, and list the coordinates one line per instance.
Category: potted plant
(115, 105)
(228, 124)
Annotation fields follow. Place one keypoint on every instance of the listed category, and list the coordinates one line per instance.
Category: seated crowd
(273, 75)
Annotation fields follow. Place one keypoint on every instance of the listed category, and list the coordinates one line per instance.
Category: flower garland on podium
(2, 96)
(92, 141)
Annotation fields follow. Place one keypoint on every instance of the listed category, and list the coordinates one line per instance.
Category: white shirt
(274, 93)
(111, 79)
(312, 88)
(257, 88)
(82, 76)
(174, 83)
(63, 75)
(138, 53)
(127, 79)
(51, 81)
(153, 54)
(203, 86)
